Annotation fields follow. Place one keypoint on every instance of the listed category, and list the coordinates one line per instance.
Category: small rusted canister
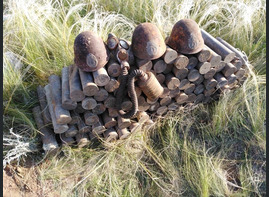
(147, 42)
(186, 37)
(151, 87)
(90, 52)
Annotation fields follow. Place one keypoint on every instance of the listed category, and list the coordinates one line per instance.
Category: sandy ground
(19, 181)
(9, 186)
(24, 182)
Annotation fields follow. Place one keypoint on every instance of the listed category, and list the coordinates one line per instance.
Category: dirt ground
(23, 181)
(9, 186)
(20, 181)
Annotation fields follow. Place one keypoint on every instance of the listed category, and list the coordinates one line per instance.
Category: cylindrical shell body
(147, 42)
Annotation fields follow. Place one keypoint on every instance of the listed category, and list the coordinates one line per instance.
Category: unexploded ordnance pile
(85, 102)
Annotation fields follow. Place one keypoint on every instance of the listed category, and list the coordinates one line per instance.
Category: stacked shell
(191, 65)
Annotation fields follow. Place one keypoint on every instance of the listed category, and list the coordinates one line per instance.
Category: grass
(211, 150)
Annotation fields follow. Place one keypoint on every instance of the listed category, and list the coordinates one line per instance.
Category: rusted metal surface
(153, 91)
(112, 41)
(226, 54)
(151, 86)
(147, 42)
(238, 53)
(90, 52)
(122, 55)
(124, 44)
(186, 37)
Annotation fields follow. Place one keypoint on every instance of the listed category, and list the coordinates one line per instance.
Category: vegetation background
(211, 150)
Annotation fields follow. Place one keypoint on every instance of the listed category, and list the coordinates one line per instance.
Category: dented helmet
(147, 42)
(186, 37)
(90, 52)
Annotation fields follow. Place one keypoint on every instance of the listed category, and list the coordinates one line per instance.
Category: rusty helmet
(90, 52)
(186, 37)
(147, 42)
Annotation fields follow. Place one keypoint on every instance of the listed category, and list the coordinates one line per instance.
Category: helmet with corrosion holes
(186, 37)
(90, 52)
(147, 42)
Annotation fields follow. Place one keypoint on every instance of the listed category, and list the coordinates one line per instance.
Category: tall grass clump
(202, 150)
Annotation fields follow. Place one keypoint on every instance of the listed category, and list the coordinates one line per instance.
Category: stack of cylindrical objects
(81, 105)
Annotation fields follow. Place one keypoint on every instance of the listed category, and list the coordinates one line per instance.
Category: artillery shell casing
(226, 54)
(90, 118)
(76, 93)
(222, 81)
(48, 137)
(88, 86)
(181, 98)
(145, 65)
(62, 115)
(159, 66)
(112, 85)
(193, 75)
(242, 57)
(67, 103)
(210, 73)
(190, 89)
(193, 61)
(109, 122)
(123, 133)
(113, 69)
(57, 127)
(101, 77)
(199, 99)
(180, 73)
(98, 128)
(181, 61)
(123, 122)
(88, 103)
(204, 55)
(171, 81)
(199, 89)
(214, 58)
(66, 141)
(101, 95)
(82, 140)
(72, 131)
(228, 70)
(111, 135)
(170, 55)
(43, 105)
(151, 88)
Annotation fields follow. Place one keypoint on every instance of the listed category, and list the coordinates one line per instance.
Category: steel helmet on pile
(147, 42)
(90, 52)
(186, 37)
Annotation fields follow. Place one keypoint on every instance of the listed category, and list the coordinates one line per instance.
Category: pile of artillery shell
(78, 107)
